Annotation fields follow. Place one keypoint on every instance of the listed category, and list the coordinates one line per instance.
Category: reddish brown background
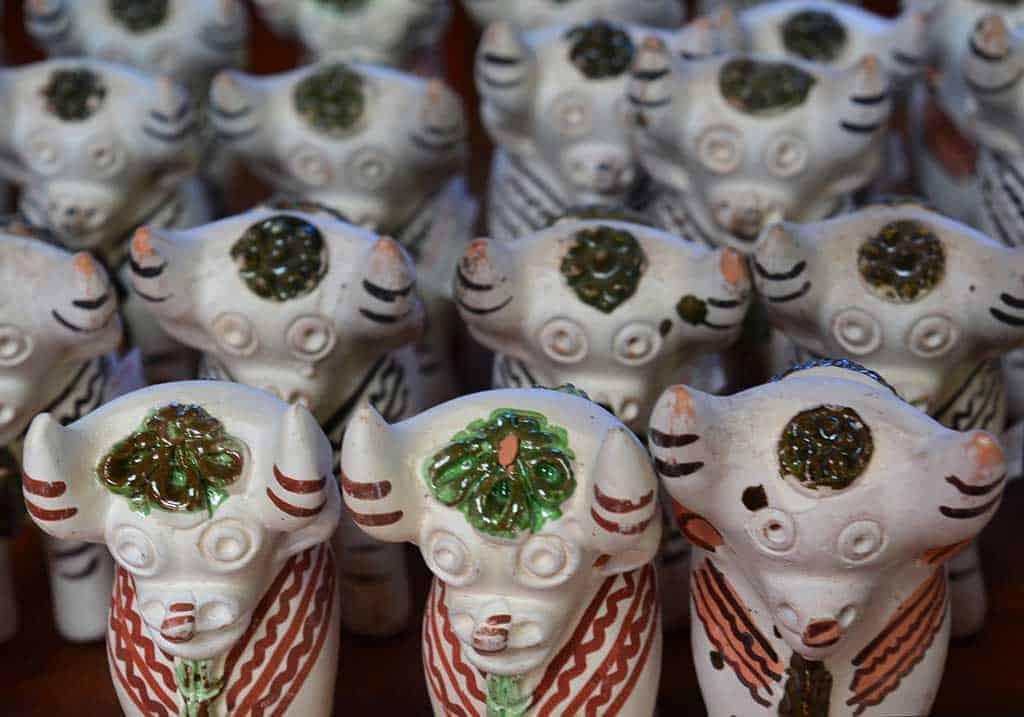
(41, 675)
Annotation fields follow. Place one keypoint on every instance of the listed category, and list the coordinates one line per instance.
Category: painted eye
(546, 561)
(371, 168)
(311, 168)
(720, 149)
(102, 156)
(860, 540)
(636, 344)
(235, 334)
(933, 336)
(227, 544)
(15, 346)
(571, 115)
(857, 331)
(786, 156)
(564, 341)
(135, 551)
(311, 338)
(450, 560)
(772, 530)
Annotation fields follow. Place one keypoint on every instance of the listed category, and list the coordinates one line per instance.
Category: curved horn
(383, 499)
(300, 497)
(865, 107)
(160, 274)
(236, 110)
(910, 38)
(992, 70)
(504, 73)
(389, 305)
(169, 125)
(61, 491)
(485, 291)
(624, 507)
(682, 446)
(441, 123)
(649, 88)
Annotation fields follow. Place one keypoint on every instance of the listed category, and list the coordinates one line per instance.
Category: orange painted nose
(822, 633)
(491, 637)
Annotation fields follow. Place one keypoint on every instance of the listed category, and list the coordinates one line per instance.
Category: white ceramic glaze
(327, 323)
(396, 33)
(728, 167)
(393, 168)
(531, 14)
(819, 592)
(554, 102)
(206, 567)
(926, 302)
(533, 597)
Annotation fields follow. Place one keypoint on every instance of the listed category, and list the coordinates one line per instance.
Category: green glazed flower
(604, 266)
(825, 447)
(903, 262)
(508, 473)
(180, 460)
(281, 257)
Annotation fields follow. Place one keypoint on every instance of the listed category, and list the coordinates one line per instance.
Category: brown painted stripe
(176, 620)
(698, 529)
(375, 520)
(677, 470)
(49, 515)
(43, 489)
(939, 555)
(671, 440)
(619, 528)
(821, 633)
(975, 490)
(618, 505)
(182, 607)
(294, 510)
(770, 659)
(294, 485)
(968, 513)
(365, 491)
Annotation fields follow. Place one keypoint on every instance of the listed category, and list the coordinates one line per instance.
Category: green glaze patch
(825, 447)
(503, 698)
(281, 257)
(808, 691)
(603, 266)
(508, 473)
(692, 309)
(196, 686)
(139, 15)
(74, 95)
(180, 460)
(572, 391)
(903, 262)
(600, 49)
(331, 100)
(764, 88)
(814, 35)
(342, 5)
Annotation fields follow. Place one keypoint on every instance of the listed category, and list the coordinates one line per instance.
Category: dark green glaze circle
(74, 95)
(600, 50)
(603, 266)
(692, 309)
(180, 460)
(281, 257)
(814, 35)
(139, 15)
(825, 447)
(903, 262)
(764, 88)
(504, 500)
(331, 100)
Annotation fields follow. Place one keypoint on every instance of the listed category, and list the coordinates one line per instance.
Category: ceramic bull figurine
(59, 331)
(187, 40)
(382, 149)
(536, 511)
(838, 34)
(926, 302)
(317, 312)
(397, 33)
(217, 504)
(533, 14)
(554, 102)
(99, 149)
(825, 509)
(769, 138)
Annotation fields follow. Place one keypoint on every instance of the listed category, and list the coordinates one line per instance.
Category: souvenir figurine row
(675, 214)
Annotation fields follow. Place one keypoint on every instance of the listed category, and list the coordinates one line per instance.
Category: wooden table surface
(42, 675)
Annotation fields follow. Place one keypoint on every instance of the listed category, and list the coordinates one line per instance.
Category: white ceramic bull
(768, 138)
(317, 312)
(396, 33)
(217, 502)
(825, 509)
(381, 148)
(554, 102)
(532, 14)
(536, 511)
(59, 331)
(928, 303)
(97, 150)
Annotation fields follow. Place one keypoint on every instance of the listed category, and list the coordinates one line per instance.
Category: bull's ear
(506, 76)
(169, 128)
(59, 482)
(51, 24)
(237, 112)
(625, 524)
(682, 438)
(384, 499)
(300, 497)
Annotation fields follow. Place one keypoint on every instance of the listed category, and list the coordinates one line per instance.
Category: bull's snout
(822, 633)
(179, 623)
(74, 212)
(490, 636)
(603, 170)
(180, 618)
